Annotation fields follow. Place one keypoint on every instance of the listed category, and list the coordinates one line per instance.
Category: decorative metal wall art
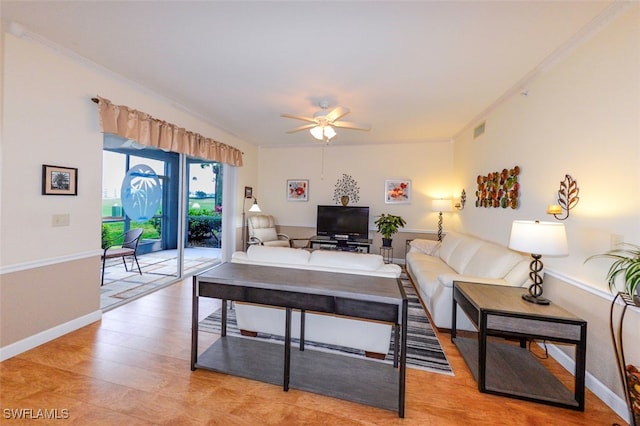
(346, 190)
(567, 198)
(499, 189)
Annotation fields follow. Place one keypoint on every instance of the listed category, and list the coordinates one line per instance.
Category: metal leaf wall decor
(346, 187)
(568, 193)
(499, 189)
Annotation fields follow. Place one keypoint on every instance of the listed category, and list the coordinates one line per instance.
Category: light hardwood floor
(133, 368)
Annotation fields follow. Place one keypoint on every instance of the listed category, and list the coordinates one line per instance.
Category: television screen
(339, 220)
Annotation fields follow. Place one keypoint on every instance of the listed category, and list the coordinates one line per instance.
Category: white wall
(428, 165)
(581, 117)
(49, 118)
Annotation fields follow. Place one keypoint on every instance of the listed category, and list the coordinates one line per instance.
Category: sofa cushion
(278, 255)
(519, 274)
(449, 243)
(492, 261)
(463, 252)
(429, 247)
(346, 260)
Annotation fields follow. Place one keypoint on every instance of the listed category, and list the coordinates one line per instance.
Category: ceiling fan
(321, 125)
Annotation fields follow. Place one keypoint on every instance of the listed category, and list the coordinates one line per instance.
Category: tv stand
(345, 244)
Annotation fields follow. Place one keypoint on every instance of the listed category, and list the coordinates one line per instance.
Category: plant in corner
(388, 225)
(627, 266)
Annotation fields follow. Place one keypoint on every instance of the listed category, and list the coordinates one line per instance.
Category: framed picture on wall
(248, 192)
(397, 191)
(297, 190)
(58, 180)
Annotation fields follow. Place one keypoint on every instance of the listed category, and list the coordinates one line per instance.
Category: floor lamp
(255, 208)
(538, 238)
(441, 206)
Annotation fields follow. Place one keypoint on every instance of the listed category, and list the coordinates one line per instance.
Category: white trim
(47, 262)
(38, 339)
(610, 398)
(581, 285)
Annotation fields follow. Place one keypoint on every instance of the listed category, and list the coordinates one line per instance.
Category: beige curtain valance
(146, 130)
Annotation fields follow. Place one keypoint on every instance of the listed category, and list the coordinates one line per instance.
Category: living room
(578, 116)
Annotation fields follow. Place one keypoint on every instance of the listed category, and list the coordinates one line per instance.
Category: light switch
(60, 220)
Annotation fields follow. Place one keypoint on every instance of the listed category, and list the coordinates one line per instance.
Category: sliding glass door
(189, 209)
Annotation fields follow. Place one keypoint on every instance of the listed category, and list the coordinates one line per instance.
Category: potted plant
(388, 225)
(626, 265)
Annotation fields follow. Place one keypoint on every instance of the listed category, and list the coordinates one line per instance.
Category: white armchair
(262, 230)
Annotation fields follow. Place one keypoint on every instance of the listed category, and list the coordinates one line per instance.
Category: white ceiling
(415, 71)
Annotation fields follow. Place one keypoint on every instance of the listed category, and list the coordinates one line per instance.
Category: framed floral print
(397, 191)
(297, 190)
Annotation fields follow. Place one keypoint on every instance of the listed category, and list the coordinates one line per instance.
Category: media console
(341, 243)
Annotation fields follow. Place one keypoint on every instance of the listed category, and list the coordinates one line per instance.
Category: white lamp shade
(441, 205)
(255, 208)
(544, 238)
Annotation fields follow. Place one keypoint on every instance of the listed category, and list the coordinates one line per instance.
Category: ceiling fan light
(329, 132)
(317, 132)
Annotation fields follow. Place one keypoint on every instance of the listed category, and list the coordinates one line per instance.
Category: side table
(631, 395)
(387, 254)
(511, 370)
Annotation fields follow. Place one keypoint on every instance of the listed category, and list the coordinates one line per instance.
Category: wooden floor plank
(133, 368)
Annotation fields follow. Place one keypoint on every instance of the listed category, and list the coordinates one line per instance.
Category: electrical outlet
(616, 241)
(60, 220)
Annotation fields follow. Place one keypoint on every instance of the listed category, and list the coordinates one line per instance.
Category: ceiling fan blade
(337, 113)
(352, 126)
(304, 127)
(299, 117)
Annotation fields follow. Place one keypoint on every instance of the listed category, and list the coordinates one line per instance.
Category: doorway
(190, 193)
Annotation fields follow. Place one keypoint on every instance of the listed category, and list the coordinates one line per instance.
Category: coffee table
(367, 297)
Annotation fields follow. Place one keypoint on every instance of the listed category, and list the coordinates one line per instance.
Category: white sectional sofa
(371, 337)
(434, 266)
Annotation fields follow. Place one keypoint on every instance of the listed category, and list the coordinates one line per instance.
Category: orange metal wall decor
(499, 189)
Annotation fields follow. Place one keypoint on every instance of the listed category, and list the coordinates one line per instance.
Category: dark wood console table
(511, 370)
(367, 297)
(345, 244)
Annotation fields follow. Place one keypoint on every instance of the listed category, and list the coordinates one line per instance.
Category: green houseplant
(388, 225)
(627, 266)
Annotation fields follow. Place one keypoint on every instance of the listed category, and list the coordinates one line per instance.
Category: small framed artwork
(397, 191)
(248, 192)
(58, 180)
(297, 190)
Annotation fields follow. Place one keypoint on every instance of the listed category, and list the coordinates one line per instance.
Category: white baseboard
(612, 400)
(31, 342)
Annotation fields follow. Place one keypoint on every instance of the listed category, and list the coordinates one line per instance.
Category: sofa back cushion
(519, 275)
(463, 253)
(449, 243)
(492, 261)
(346, 260)
(288, 255)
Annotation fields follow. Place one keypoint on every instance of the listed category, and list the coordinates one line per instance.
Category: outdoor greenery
(203, 220)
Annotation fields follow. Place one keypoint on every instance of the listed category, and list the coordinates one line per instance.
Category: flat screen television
(352, 222)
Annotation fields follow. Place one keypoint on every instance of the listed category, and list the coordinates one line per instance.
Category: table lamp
(538, 238)
(441, 206)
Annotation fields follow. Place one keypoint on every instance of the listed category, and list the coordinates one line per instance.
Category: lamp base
(539, 300)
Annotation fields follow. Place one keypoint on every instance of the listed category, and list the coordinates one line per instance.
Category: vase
(344, 200)
(386, 242)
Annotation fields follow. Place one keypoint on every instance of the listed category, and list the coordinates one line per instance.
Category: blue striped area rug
(423, 348)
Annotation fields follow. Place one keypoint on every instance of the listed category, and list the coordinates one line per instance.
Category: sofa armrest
(447, 280)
